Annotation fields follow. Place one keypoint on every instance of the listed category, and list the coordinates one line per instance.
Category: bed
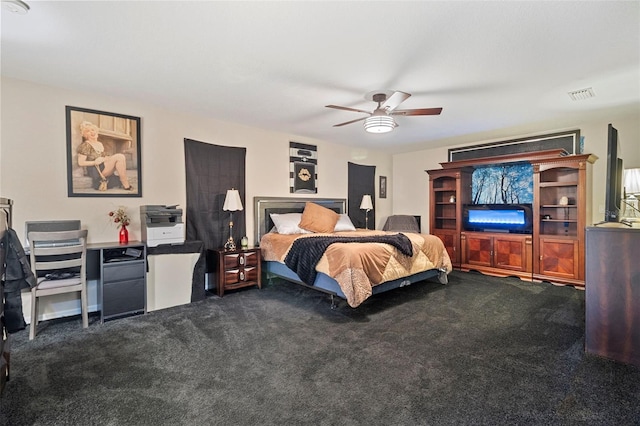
(356, 263)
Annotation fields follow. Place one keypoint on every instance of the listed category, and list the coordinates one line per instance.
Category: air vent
(579, 95)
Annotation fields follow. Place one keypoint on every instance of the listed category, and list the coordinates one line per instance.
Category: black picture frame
(383, 187)
(118, 135)
(303, 163)
(569, 141)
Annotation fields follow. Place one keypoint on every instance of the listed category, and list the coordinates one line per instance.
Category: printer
(161, 225)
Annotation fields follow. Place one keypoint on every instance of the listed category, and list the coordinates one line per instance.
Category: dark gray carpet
(480, 350)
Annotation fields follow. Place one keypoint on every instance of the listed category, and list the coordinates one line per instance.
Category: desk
(98, 272)
(120, 288)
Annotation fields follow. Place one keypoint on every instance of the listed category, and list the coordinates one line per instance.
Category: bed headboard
(264, 206)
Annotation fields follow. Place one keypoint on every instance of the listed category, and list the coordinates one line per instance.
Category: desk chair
(402, 223)
(55, 259)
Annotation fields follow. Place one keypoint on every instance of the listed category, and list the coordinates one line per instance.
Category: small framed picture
(103, 154)
(383, 187)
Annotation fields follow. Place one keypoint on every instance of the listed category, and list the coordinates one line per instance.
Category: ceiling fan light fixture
(379, 124)
(16, 6)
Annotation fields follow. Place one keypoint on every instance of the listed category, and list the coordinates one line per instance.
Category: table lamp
(232, 203)
(631, 191)
(367, 205)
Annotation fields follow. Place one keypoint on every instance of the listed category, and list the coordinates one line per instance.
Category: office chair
(402, 223)
(58, 260)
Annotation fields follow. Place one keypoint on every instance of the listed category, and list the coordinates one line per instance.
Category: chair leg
(34, 315)
(84, 308)
(7, 358)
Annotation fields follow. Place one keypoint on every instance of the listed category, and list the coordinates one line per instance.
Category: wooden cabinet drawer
(238, 260)
(233, 276)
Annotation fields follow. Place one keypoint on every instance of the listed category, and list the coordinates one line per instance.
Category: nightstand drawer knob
(242, 260)
(242, 277)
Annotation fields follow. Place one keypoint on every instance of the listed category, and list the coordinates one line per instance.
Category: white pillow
(287, 223)
(344, 224)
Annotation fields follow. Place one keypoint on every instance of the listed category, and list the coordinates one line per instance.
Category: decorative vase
(124, 235)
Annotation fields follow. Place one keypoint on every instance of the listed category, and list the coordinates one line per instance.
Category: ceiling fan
(380, 120)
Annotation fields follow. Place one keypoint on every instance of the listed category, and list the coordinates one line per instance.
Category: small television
(613, 194)
(513, 218)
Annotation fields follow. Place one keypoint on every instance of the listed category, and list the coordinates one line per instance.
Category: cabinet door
(510, 253)
(452, 244)
(479, 250)
(123, 297)
(559, 257)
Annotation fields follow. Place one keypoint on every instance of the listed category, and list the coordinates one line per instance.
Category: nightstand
(237, 269)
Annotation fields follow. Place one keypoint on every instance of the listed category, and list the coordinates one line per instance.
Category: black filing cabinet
(123, 283)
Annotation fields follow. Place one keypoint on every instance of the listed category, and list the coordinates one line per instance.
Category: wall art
(103, 154)
(303, 163)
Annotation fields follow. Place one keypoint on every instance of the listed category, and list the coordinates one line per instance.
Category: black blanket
(305, 253)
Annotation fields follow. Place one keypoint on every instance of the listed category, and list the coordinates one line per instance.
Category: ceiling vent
(579, 95)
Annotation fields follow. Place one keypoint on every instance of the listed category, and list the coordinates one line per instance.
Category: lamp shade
(379, 124)
(232, 201)
(366, 203)
(632, 181)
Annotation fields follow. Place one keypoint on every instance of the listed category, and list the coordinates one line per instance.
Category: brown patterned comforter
(357, 267)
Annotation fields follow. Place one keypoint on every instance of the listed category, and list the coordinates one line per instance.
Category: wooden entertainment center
(553, 251)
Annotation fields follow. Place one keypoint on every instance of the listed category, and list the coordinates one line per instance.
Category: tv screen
(613, 194)
(515, 218)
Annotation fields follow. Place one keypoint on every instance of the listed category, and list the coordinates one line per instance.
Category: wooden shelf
(557, 184)
(556, 236)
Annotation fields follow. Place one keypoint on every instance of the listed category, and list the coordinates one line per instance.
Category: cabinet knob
(241, 275)
(242, 260)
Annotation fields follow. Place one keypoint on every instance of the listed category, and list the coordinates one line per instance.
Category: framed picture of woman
(103, 154)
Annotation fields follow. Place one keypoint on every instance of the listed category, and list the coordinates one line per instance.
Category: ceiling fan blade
(417, 111)
(347, 109)
(394, 101)
(349, 122)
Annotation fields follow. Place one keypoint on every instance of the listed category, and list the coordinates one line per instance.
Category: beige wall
(411, 183)
(33, 159)
(33, 164)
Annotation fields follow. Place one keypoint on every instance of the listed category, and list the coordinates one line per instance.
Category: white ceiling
(276, 64)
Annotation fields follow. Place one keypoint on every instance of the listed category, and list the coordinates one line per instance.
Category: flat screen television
(613, 194)
(513, 218)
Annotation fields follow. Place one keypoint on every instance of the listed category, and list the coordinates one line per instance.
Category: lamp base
(230, 245)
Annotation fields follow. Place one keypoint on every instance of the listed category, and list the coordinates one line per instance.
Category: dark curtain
(211, 170)
(361, 181)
